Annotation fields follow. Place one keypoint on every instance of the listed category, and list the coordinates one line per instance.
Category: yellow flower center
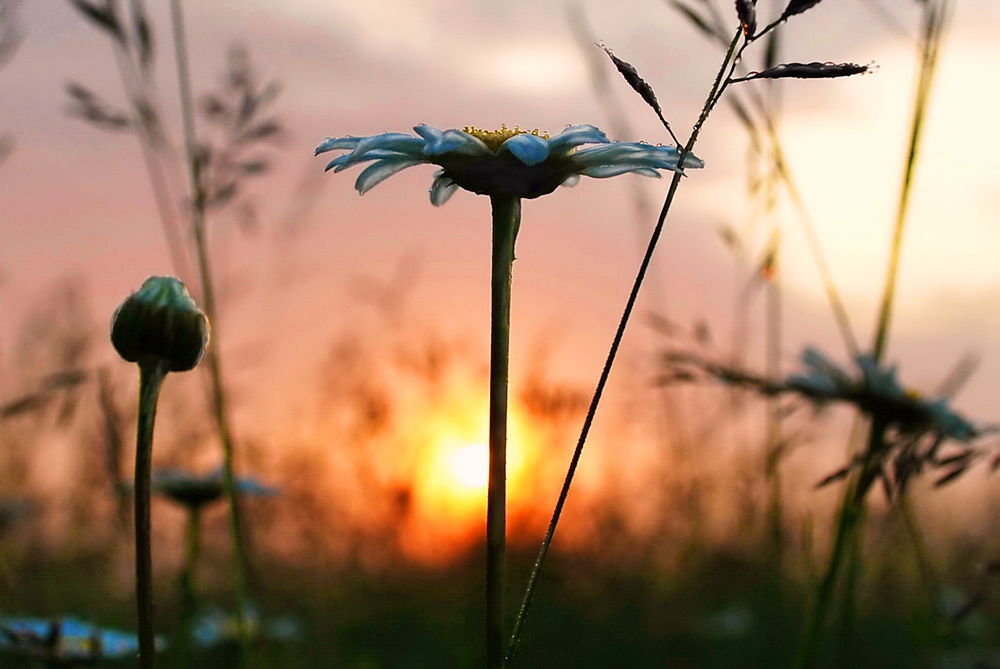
(494, 138)
(912, 394)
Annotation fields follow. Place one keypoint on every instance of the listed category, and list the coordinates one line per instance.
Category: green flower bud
(160, 324)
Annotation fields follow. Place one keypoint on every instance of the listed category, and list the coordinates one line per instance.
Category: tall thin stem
(192, 552)
(188, 584)
(934, 20)
(848, 533)
(812, 239)
(506, 219)
(935, 17)
(150, 380)
(718, 86)
(772, 465)
(139, 94)
(240, 559)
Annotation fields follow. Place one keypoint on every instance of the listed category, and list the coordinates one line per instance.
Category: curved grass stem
(150, 380)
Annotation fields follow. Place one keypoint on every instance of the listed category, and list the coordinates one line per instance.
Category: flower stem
(718, 86)
(189, 591)
(150, 379)
(506, 220)
(191, 556)
(934, 21)
(850, 521)
(218, 395)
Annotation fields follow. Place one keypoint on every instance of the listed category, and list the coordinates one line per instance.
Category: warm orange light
(470, 465)
(451, 475)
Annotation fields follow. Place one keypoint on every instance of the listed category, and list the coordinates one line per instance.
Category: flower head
(161, 324)
(508, 162)
(218, 628)
(195, 491)
(66, 641)
(876, 391)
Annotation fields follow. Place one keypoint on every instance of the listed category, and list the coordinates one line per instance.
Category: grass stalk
(138, 92)
(934, 20)
(846, 543)
(718, 87)
(935, 17)
(218, 395)
(506, 220)
(150, 381)
(925, 567)
(808, 228)
(773, 453)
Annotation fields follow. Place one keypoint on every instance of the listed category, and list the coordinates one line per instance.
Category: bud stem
(187, 583)
(151, 377)
(506, 220)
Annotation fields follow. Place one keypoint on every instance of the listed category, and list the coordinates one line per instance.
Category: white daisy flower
(508, 162)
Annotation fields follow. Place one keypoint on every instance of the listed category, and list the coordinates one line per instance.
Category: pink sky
(75, 201)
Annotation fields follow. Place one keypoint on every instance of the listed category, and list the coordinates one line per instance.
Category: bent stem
(718, 87)
(150, 380)
(506, 220)
(218, 395)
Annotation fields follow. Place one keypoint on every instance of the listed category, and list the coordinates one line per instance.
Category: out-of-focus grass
(723, 610)
(635, 580)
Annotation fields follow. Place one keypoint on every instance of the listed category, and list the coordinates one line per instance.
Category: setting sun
(470, 465)
(451, 471)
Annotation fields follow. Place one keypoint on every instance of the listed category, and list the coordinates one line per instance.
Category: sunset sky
(75, 201)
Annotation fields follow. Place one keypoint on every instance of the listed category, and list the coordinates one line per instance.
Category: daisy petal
(428, 132)
(336, 163)
(387, 141)
(381, 170)
(574, 136)
(333, 143)
(529, 149)
(456, 141)
(693, 161)
(611, 153)
(349, 159)
(571, 181)
(442, 189)
(672, 153)
(605, 171)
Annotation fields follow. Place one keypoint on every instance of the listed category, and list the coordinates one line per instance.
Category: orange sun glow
(470, 465)
(451, 476)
